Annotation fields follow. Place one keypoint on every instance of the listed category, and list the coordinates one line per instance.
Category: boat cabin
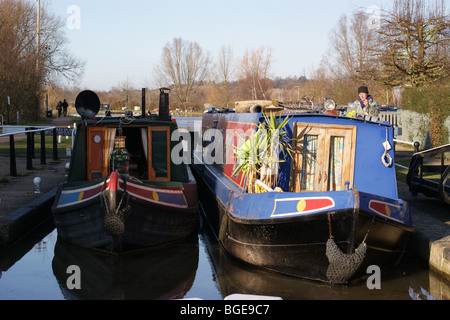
(147, 142)
(331, 153)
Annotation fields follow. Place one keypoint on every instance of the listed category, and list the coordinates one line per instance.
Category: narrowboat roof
(114, 120)
(256, 117)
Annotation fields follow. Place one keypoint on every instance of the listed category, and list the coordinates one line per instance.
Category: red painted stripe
(114, 180)
(92, 192)
(379, 207)
(145, 193)
(315, 204)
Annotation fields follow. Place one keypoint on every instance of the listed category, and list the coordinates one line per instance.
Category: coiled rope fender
(113, 221)
(389, 158)
(385, 155)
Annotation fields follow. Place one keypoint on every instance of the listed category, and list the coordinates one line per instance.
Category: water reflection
(36, 268)
(166, 273)
(409, 280)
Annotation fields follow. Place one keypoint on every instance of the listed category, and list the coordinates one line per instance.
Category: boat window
(336, 161)
(309, 161)
(159, 157)
(324, 159)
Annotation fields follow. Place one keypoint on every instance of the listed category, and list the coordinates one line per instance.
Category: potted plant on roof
(258, 157)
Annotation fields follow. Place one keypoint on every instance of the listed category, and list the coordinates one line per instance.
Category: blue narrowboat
(330, 208)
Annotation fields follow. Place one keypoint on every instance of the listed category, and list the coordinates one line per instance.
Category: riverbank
(22, 206)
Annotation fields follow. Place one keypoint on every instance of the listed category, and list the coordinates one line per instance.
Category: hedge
(434, 101)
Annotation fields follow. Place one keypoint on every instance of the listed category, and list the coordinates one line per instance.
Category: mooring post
(43, 158)
(55, 145)
(12, 157)
(33, 153)
(29, 151)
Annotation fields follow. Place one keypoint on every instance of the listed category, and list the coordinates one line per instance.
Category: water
(37, 269)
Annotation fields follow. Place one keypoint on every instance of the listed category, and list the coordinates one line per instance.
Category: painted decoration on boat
(293, 206)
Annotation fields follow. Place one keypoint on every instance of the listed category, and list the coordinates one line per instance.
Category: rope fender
(113, 222)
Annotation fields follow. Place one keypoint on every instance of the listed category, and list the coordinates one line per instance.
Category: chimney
(164, 104)
(143, 103)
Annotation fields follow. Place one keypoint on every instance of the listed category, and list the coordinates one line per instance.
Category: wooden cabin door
(324, 157)
(97, 155)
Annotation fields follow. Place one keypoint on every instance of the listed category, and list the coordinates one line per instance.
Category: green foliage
(434, 101)
(261, 151)
(423, 99)
(21, 146)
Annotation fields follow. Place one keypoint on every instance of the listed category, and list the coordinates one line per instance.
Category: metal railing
(30, 147)
(431, 187)
(416, 146)
(390, 116)
(418, 169)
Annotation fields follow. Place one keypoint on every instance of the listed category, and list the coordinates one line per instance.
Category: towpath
(20, 206)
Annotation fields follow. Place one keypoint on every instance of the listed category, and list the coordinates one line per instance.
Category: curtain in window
(309, 162)
(111, 135)
(144, 142)
(336, 164)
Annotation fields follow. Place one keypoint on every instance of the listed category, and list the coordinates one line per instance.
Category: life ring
(383, 159)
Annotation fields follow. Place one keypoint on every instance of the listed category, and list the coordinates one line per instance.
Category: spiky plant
(258, 157)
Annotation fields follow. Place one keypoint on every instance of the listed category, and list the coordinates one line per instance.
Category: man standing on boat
(366, 104)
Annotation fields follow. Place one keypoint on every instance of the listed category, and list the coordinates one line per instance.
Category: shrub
(432, 100)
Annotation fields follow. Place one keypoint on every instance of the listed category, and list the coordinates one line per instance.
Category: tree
(414, 43)
(22, 71)
(351, 44)
(224, 70)
(56, 63)
(254, 70)
(125, 95)
(184, 66)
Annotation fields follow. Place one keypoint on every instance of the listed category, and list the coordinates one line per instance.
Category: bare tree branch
(184, 66)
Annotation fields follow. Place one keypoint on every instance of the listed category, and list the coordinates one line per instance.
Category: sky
(123, 40)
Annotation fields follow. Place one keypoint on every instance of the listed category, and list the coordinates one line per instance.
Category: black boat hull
(144, 226)
(129, 217)
(296, 246)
